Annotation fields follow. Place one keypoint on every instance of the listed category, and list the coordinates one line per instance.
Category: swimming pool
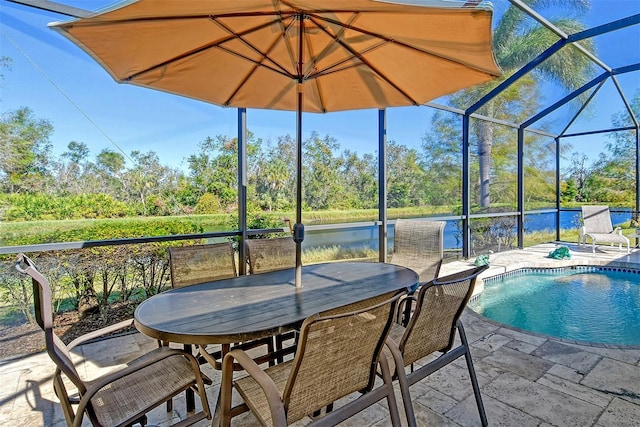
(591, 304)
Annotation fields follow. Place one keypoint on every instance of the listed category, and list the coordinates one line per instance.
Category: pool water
(593, 304)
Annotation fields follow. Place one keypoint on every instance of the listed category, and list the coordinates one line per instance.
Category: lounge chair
(597, 226)
(432, 329)
(123, 396)
(338, 354)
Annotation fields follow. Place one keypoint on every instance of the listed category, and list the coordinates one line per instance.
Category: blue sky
(62, 84)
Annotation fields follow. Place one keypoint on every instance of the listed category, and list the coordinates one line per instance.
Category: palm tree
(516, 41)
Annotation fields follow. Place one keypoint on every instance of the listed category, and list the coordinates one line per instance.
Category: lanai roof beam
(51, 6)
(595, 31)
(580, 91)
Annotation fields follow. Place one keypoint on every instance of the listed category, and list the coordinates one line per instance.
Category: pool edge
(491, 274)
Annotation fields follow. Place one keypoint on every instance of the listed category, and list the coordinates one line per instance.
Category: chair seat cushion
(253, 395)
(608, 238)
(144, 389)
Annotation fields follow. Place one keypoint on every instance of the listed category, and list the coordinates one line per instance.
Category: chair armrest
(265, 382)
(149, 359)
(100, 332)
(398, 361)
(618, 230)
(402, 308)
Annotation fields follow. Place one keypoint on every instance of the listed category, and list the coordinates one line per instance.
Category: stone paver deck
(525, 379)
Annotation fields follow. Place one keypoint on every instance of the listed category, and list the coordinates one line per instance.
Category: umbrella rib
(335, 67)
(311, 66)
(359, 56)
(264, 55)
(321, 54)
(398, 42)
(89, 22)
(257, 63)
(214, 44)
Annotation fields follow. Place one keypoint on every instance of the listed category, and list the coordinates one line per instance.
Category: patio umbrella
(298, 55)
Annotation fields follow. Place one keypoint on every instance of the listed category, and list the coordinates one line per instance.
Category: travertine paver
(543, 402)
(576, 390)
(492, 343)
(522, 364)
(570, 356)
(616, 378)
(520, 336)
(526, 380)
(620, 413)
(631, 356)
(499, 414)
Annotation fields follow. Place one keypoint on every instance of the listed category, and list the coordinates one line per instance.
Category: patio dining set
(287, 352)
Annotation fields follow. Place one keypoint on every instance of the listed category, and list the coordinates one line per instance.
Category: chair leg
(217, 413)
(272, 345)
(391, 397)
(472, 375)
(278, 346)
(61, 393)
(279, 343)
(403, 382)
(407, 312)
(189, 395)
(162, 343)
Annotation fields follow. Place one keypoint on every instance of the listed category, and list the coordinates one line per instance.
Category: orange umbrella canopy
(342, 54)
(299, 55)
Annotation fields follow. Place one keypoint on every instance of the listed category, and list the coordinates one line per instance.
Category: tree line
(36, 185)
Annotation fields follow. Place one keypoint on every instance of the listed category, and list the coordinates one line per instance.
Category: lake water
(368, 235)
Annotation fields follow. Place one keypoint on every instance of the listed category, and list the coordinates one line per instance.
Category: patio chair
(432, 329)
(597, 225)
(270, 254)
(266, 255)
(418, 245)
(337, 355)
(125, 395)
(192, 265)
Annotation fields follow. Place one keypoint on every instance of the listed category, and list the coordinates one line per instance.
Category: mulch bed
(23, 338)
(18, 340)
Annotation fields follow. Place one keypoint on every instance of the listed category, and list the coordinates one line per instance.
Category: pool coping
(552, 264)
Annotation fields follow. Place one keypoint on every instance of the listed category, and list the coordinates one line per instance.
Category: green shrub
(34, 207)
(208, 203)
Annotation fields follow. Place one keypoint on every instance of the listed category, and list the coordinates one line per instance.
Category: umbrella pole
(298, 228)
